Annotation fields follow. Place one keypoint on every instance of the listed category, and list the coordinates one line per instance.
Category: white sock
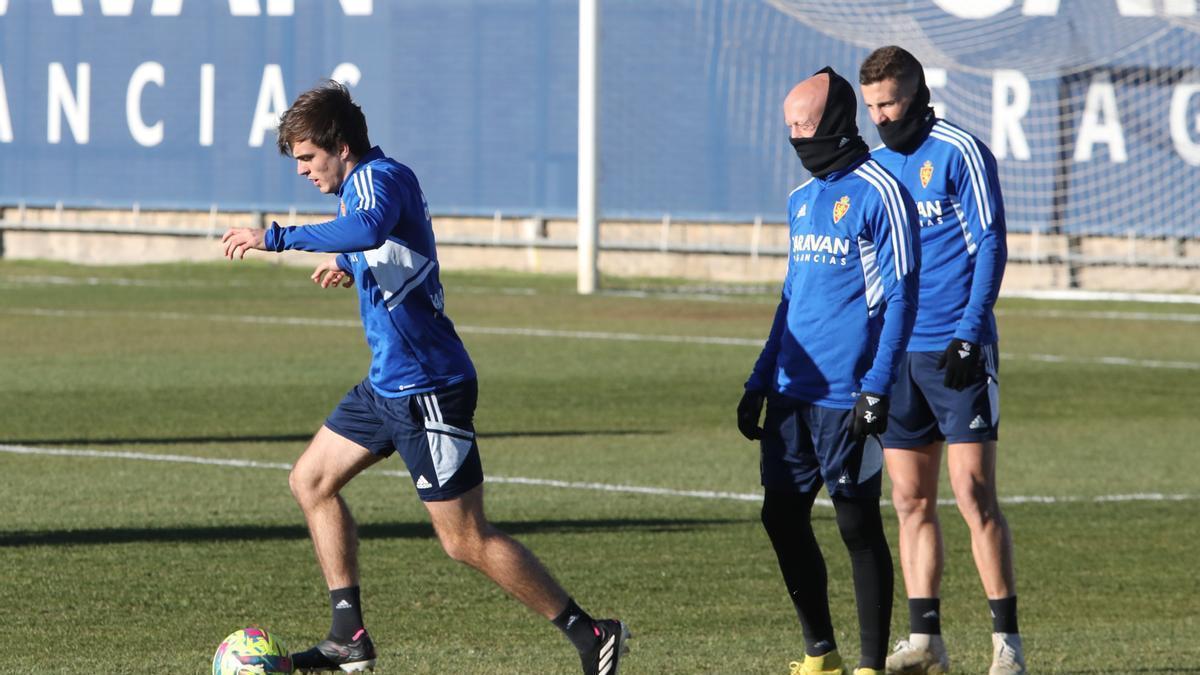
(920, 640)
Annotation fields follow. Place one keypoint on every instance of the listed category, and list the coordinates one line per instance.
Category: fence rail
(534, 232)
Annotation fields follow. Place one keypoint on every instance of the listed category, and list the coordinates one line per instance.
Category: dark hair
(891, 62)
(326, 116)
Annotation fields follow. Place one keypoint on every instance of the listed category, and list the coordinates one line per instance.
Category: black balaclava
(907, 133)
(836, 145)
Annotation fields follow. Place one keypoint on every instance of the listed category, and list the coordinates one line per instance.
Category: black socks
(577, 626)
(347, 613)
(925, 616)
(1004, 615)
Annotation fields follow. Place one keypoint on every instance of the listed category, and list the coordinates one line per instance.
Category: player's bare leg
(914, 474)
(468, 537)
(316, 481)
(973, 477)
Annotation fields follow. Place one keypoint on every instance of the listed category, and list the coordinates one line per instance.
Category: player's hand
(748, 411)
(961, 362)
(328, 274)
(238, 240)
(870, 415)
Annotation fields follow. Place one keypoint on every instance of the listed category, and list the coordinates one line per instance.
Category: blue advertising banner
(1093, 108)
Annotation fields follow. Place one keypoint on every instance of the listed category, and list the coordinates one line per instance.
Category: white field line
(16, 281)
(552, 333)
(543, 482)
(1062, 295)
(1104, 296)
(1107, 361)
(55, 280)
(1035, 294)
(1091, 314)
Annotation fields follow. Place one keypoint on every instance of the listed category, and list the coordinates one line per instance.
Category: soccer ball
(251, 651)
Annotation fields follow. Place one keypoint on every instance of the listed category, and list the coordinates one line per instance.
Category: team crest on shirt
(926, 173)
(343, 205)
(841, 207)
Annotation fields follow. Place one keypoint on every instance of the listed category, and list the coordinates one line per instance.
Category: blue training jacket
(385, 237)
(952, 176)
(850, 295)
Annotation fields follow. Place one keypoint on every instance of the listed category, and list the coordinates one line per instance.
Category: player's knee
(772, 515)
(456, 546)
(307, 486)
(911, 502)
(301, 484)
(979, 515)
(464, 545)
(859, 522)
(783, 512)
(977, 503)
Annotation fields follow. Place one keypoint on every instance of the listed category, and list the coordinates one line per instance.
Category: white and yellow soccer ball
(251, 651)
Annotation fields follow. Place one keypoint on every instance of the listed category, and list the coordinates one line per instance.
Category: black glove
(748, 411)
(870, 415)
(961, 361)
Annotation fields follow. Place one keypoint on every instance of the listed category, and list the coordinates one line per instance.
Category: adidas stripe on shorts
(805, 446)
(433, 432)
(923, 410)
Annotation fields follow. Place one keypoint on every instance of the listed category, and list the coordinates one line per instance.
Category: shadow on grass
(422, 530)
(301, 438)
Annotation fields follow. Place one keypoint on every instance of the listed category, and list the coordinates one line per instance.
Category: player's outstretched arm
(329, 274)
(238, 240)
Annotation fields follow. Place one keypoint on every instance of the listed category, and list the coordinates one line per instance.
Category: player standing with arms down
(849, 300)
(948, 389)
(419, 398)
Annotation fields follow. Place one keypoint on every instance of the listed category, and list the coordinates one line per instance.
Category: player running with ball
(418, 399)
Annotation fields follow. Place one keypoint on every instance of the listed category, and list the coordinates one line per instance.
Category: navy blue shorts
(924, 411)
(433, 432)
(805, 446)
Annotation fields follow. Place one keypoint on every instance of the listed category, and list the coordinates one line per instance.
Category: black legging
(861, 526)
(787, 518)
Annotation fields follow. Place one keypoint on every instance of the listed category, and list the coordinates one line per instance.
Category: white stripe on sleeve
(358, 190)
(889, 193)
(976, 168)
(370, 180)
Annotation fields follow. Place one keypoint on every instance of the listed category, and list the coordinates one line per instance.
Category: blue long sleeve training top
(952, 176)
(850, 295)
(385, 237)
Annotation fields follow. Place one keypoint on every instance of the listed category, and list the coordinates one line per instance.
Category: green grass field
(114, 563)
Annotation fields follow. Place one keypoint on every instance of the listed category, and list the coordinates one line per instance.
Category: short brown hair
(328, 117)
(891, 62)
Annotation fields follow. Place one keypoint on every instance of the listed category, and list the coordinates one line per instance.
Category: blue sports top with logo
(952, 176)
(385, 237)
(850, 294)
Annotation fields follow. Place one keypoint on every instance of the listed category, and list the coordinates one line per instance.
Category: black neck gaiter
(836, 145)
(907, 134)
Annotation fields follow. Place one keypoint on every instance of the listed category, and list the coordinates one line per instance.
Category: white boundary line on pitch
(1104, 296)
(1096, 314)
(554, 333)
(17, 281)
(570, 485)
